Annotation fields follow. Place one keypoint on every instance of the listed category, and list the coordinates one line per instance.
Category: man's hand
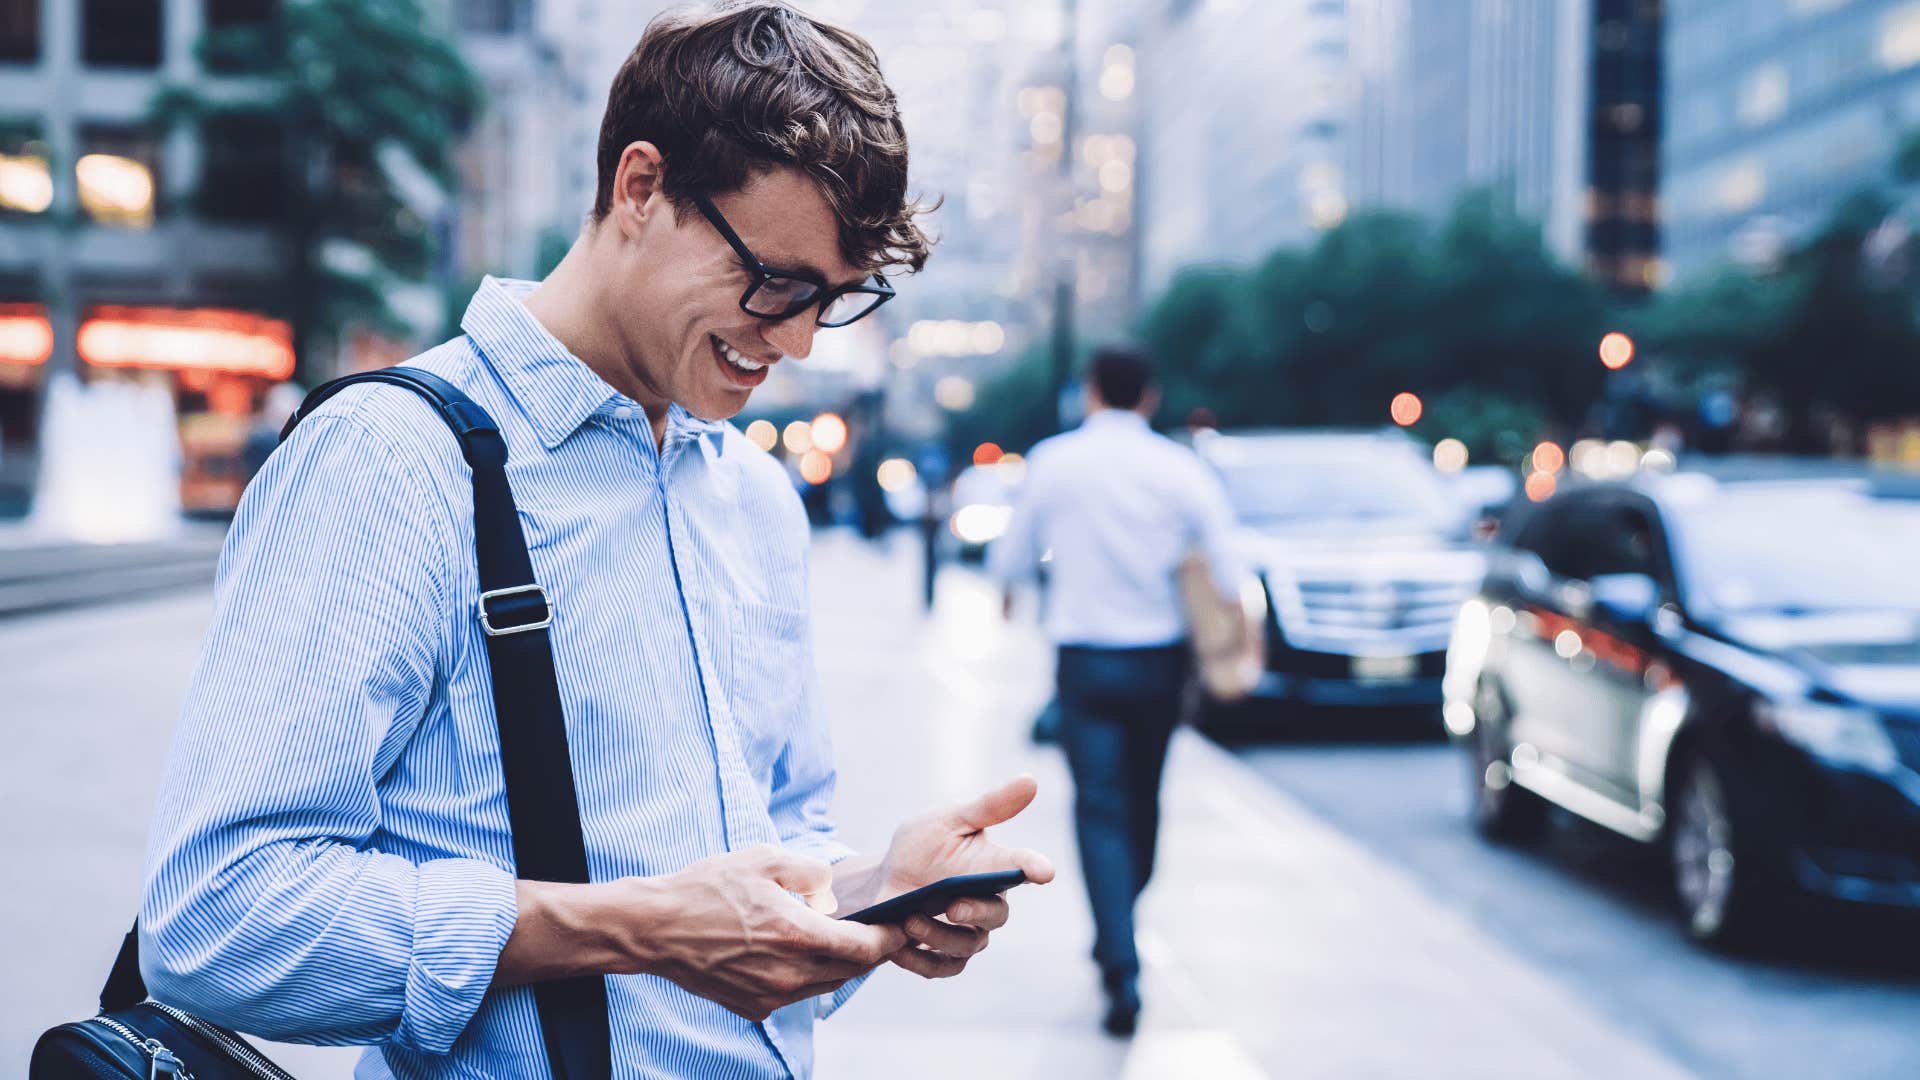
(948, 842)
(724, 928)
(739, 939)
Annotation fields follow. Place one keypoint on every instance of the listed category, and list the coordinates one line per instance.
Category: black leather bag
(133, 1037)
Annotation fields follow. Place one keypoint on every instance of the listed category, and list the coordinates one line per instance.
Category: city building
(1472, 95)
(522, 165)
(1241, 124)
(1778, 110)
(1625, 111)
(126, 253)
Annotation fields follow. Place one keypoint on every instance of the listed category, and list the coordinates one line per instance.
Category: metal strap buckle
(486, 620)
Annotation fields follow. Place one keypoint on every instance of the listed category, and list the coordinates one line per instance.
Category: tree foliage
(372, 98)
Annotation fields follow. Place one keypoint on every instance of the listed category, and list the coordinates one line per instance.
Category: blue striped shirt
(330, 860)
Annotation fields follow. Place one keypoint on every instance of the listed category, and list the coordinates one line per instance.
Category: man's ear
(636, 183)
(1149, 402)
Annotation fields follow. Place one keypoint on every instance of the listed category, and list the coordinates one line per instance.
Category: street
(1593, 912)
(1337, 922)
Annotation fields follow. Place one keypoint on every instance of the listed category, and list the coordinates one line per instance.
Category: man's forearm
(562, 930)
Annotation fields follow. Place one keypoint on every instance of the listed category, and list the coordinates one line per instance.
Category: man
(1112, 509)
(331, 860)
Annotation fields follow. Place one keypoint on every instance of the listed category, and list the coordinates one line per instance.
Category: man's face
(676, 291)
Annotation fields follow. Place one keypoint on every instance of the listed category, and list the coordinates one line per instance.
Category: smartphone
(933, 899)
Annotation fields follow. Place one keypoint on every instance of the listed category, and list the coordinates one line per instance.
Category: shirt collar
(555, 389)
(1116, 418)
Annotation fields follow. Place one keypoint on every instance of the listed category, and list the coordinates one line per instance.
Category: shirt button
(622, 412)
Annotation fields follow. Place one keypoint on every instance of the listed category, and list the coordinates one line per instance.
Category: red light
(1540, 486)
(1405, 409)
(1549, 458)
(987, 453)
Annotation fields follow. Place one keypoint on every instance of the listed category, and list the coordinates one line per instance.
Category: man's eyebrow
(802, 264)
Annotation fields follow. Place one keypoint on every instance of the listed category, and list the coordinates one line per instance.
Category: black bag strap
(542, 806)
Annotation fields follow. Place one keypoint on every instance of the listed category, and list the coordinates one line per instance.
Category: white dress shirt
(1118, 507)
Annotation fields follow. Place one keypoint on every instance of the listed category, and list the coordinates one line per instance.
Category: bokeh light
(798, 437)
(896, 474)
(1450, 455)
(1616, 350)
(829, 432)
(954, 393)
(763, 434)
(1405, 409)
(1540, 486)
(1548, 458)
(816, 467)
(987, 453)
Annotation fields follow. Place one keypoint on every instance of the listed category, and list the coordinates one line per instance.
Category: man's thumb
(998, 805)
(811, 878)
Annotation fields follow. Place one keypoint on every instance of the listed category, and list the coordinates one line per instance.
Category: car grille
(1381, 605)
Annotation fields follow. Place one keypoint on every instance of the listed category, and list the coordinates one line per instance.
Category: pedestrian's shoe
(1123, 1005)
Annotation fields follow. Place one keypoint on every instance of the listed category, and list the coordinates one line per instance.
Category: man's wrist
(564, 930)
(856, 882)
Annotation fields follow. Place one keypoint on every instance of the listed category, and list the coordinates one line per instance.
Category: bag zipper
(162, 1060)
(239, 1048)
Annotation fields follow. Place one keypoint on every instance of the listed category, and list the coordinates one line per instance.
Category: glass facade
(1780, 109)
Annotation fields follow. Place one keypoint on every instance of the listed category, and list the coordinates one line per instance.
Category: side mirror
(1522, 571)
(1625, 598)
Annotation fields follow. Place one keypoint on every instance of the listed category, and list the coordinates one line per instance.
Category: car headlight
(1839, 734)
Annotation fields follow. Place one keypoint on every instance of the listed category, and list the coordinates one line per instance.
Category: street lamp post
(1063, 288)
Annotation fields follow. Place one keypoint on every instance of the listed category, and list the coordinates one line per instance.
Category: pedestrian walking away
(1112, 509)
(332, 860)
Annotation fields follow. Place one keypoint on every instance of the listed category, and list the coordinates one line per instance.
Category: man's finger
(981, 913)
(1037, 867)
(998, 805)
(852, 941)
(810, 877)
(961, 941)
(929, 965)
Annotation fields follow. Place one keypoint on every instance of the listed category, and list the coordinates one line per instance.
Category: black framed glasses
(777, 294)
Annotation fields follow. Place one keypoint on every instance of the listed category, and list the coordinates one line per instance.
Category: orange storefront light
(26, 334)
(175, 339)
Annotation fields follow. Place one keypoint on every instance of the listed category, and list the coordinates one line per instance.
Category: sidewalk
(1274, 946)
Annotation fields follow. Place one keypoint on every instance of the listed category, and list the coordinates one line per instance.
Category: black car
(1730, 669)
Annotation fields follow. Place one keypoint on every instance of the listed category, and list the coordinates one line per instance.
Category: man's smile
(737, 367)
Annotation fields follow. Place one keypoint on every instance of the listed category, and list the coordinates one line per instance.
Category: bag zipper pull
(164, 1063)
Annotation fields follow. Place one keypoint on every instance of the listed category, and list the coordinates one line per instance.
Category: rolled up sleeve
(267, 907)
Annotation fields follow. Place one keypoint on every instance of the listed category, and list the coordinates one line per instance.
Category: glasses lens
(781, 296)
(848, 307)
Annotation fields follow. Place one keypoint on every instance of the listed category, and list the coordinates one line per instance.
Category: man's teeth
(735, 358)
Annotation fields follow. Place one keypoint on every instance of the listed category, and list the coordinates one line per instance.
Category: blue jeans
(1118, 708)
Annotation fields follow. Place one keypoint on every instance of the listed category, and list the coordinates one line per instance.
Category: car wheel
(1501, 809)
(1720, 872)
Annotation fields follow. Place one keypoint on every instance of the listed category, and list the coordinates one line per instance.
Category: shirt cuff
(463, 912)
(827, 1004)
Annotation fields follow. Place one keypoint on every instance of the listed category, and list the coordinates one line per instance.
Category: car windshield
(1289, 488)
(1801, 551)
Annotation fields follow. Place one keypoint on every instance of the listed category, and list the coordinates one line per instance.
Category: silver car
(1363, 551)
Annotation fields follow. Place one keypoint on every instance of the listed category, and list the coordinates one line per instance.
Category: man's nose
(793, 337)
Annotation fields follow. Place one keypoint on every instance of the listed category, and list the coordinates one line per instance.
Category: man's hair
(1121, 375)
(726, 93)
